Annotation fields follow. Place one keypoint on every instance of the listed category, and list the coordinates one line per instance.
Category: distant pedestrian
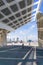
(22, 45)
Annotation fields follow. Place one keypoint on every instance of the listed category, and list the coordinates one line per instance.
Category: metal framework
(15, 13)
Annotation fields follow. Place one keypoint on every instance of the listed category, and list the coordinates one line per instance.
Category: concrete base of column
(3, 40)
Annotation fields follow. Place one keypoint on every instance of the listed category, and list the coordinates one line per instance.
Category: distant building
(21, 41)
(17, 39)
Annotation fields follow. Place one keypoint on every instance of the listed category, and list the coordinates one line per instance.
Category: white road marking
(35, 53)
(16, 58)
(27, 54)
(24, 57)
(34, 63)
(31, 55)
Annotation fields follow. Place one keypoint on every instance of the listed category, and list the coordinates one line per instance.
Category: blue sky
(28, 31)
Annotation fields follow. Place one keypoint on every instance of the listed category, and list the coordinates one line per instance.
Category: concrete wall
(40, 28)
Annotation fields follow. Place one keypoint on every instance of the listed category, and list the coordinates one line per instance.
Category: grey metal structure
(15, 13)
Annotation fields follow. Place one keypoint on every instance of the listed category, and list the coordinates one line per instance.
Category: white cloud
(21, 32)
(32, 27)
(32, 37)
(24, 32)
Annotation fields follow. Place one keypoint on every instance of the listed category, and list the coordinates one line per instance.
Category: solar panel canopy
(16, 13)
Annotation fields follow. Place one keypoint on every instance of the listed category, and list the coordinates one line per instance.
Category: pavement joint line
(24, 57)
(40, 56)
(9, 50)
(9, 58)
